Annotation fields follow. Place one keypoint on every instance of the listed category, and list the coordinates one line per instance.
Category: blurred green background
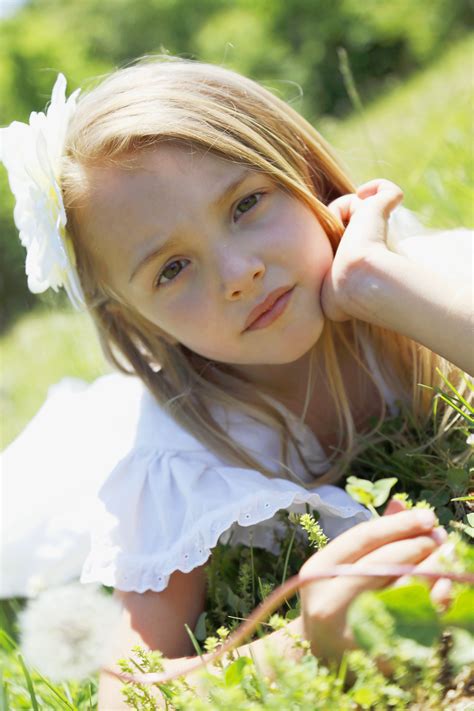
(389, 84)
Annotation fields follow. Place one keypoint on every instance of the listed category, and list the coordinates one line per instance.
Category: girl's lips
(271, 314)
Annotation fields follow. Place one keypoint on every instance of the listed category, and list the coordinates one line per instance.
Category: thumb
(394, 506)
(389, 194)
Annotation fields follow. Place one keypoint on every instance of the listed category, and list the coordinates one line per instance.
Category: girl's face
(195, 243)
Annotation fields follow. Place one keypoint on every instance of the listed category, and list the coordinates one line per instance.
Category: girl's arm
(156, 620)
(369, 282)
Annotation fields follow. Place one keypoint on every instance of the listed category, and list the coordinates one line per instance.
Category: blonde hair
(169, 99)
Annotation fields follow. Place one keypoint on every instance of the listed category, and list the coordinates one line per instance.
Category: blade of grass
(455, 391)
(354, 97)
(6, 641)
(4, 703)
(194, 641)
(450, 402)
(55, 691)
(287, 556)
(252, 565)
(29, 684)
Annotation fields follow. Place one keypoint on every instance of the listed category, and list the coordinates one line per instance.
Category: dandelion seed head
(67, 632)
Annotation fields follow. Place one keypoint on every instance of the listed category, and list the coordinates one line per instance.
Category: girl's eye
(248, 203)
(171, 271)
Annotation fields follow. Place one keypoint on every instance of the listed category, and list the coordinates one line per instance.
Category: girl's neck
(287, 382)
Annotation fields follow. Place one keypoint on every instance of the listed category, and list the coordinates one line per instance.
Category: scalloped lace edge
(152, 574)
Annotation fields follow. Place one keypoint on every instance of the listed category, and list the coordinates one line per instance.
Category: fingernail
(440, 592)
(426, 517)
(439, 534)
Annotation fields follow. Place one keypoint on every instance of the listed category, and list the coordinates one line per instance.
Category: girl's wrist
(371, 286)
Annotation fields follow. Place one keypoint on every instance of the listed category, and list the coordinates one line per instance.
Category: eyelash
(260, 194)
(176, 261)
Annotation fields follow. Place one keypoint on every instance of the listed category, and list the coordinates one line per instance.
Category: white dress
(104, 482)
(105, 461)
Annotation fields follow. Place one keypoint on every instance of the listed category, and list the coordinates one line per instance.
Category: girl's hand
(404, 538)
(365, 215)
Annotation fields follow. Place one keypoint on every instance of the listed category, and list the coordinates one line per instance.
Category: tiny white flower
(68, 632)
(32, 154)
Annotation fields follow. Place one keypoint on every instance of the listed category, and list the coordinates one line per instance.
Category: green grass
(420, 136)
(41, 348)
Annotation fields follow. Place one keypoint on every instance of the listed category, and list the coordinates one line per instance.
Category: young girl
(255, 299)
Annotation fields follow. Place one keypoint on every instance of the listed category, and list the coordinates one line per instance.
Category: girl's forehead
(151, 193)
(166, 168)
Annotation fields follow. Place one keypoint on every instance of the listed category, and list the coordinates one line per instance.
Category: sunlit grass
(40, 349)
(420, 136)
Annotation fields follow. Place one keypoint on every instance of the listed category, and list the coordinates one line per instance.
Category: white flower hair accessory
(31, 153)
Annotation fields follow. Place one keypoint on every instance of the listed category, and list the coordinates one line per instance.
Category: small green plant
(371, 494)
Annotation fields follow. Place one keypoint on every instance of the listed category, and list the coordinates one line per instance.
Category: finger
(366, 537)
(344, 207)
(386, 201)
(436, 561)
(441, 592)
(337, 594)
(372, 187)
(394, 506)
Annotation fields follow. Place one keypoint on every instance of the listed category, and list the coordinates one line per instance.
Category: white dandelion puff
(68, 632)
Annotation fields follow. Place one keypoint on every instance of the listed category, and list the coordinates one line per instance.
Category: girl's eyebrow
(168, 244)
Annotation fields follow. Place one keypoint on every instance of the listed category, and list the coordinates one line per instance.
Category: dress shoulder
(160, 512)
(51, 473)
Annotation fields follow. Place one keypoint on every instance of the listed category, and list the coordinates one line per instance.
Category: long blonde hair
(163, 99)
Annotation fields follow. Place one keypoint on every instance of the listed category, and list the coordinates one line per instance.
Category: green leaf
(457, 479)
(236, 671)
(365, 697)
(200, 630)
(381, 490)
(461, 612)
(364, 484)
(361, 490)
(470, 519)
(371, 623)
(415, 617)
(435, 498)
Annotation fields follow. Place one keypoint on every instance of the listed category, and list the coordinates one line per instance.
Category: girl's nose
(239, 274)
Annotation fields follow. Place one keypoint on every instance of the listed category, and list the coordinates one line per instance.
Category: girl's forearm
(429, 308)
(282, 642)
(110, 696)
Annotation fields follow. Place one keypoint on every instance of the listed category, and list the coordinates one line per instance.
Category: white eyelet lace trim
(152, 572)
